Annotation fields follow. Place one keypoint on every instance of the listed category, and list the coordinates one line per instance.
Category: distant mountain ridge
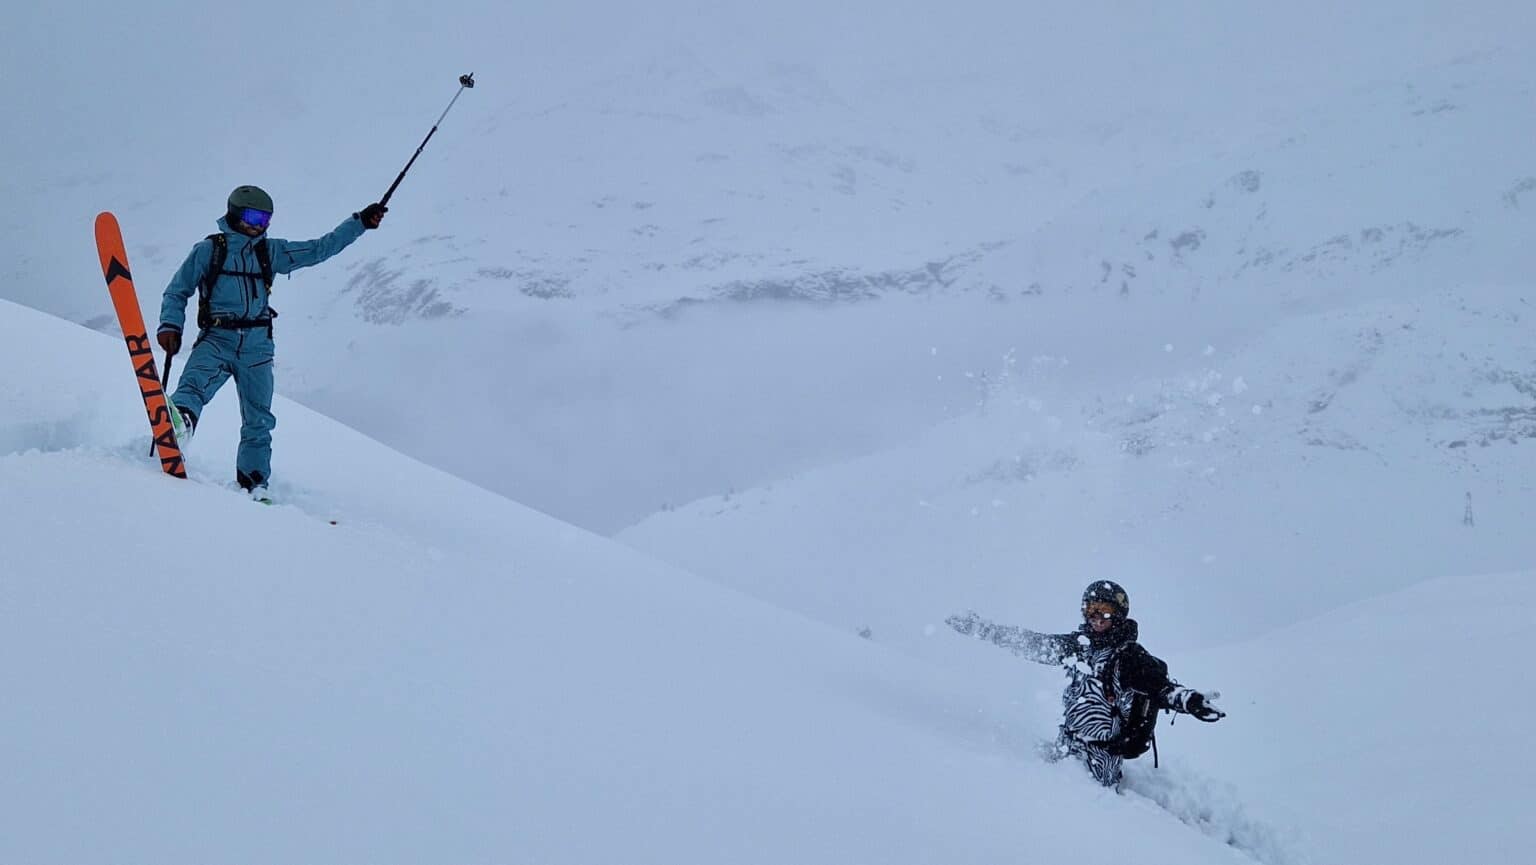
(589, 319)
(1362, 190)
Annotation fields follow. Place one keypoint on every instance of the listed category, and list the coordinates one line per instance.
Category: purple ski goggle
(255, 218)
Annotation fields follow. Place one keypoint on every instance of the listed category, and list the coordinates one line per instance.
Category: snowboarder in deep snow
(234, 320)
(1115, 687)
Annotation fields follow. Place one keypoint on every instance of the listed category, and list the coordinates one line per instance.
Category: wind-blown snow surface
(444, 675)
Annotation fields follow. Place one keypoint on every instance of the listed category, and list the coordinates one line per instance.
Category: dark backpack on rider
(1138, 729)
(1138, 726)
(216, 269)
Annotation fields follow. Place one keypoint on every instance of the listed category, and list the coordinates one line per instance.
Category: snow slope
(444, 675)
(1393, 725)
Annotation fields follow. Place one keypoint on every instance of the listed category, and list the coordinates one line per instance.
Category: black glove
(1197, 704)
(170, 340)
(372, 215)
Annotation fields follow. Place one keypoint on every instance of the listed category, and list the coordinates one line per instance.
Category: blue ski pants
(245, 355)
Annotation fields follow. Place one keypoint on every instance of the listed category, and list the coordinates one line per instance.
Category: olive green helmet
(243, 197)
(250, 196)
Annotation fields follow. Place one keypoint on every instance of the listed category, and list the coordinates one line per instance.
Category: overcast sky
(148, 75)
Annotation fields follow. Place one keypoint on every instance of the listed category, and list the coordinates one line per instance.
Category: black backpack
(1138, 726)
(216, 269)
(1138, 729)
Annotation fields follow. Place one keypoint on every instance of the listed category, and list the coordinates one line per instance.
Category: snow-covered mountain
(665, 253)
(1337, 455)
(1299, 374)
(1294, 374)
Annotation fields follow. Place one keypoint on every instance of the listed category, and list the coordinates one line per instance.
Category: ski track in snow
(1211, 806)
(136, 452)
(1216, 809)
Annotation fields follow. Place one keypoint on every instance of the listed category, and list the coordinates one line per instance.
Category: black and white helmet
(1107, 592)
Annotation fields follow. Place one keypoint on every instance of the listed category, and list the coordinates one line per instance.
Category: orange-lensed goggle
(1100, 610)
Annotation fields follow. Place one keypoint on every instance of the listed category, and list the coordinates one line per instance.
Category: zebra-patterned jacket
(1103, 675)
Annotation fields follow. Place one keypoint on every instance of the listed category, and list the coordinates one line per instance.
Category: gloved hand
(1200, 705)
(372, 215)
(965, 624)
(170, 340)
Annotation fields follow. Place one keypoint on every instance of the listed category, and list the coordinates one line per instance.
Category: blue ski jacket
(246, 296)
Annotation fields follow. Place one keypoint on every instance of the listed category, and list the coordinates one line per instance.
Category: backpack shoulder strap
(264, 260)
(216, 258)
(1143, 670)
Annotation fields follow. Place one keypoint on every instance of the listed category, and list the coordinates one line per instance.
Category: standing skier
(232, 273)
(1114, 686)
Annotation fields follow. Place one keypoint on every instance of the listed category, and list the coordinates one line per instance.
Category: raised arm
(290, 255)
(1035, 646)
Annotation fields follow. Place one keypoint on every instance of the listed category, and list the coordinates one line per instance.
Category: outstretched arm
(1037, 647)
(1201, 704)
(290, 255)
(1142, 671)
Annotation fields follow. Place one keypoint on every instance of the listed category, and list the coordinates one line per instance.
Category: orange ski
(114, 266)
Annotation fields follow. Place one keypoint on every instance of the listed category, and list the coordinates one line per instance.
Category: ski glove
(372, 215)
(170, 340)
(1195, 703)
